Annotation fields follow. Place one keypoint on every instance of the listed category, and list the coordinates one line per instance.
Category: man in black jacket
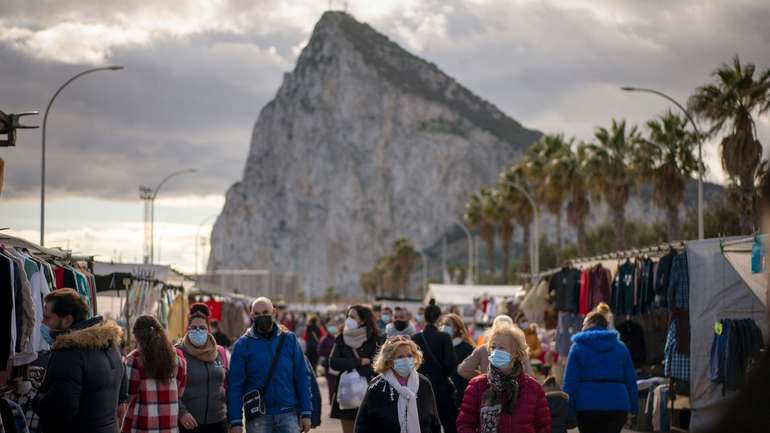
(439, 364)
(85, 377)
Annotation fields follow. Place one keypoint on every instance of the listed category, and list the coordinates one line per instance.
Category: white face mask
(351, 324)
(456, 341)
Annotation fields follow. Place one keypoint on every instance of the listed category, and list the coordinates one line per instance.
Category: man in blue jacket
(287, 396)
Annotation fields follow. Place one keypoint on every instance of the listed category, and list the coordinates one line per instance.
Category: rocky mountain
(363, 143)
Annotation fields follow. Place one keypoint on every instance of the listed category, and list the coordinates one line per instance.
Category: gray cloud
(193, 89)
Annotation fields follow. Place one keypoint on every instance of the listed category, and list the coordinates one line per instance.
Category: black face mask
(263, 324)
(400, 324)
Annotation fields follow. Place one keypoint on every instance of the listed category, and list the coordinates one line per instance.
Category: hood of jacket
(91, 334)
(598, 339)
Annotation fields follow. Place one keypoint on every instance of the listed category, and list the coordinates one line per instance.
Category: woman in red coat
(505, 400)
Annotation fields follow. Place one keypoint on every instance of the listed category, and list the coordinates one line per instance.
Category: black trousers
(601, 421)
(220, 427)
(447, 410)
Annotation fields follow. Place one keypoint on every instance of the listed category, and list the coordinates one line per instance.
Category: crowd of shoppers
(424, 375)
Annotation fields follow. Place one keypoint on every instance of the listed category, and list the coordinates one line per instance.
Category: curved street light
(151, 197)
(470, 276)
(700, 148)
(535, 246)
(45, 123)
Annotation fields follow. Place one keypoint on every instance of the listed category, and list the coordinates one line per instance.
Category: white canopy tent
(738, 253)
(457, 294)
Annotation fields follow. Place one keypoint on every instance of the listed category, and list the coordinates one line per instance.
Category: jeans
(283, 423)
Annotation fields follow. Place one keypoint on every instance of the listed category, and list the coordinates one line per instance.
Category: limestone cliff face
(363, 143)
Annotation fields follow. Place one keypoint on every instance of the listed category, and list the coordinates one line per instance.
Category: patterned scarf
(502, 394)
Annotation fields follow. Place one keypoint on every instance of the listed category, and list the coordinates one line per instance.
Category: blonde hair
(459, 326)
(603, 309)
(514, 335)
(384, 359)
(502, 319)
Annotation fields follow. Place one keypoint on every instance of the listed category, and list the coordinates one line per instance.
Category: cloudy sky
(198, 72)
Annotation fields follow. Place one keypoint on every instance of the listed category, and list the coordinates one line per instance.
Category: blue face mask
(386, 318)
(332, 329)
(46, 334)
(403, 366)
(500, 358)
(198, 337)
(449, 329)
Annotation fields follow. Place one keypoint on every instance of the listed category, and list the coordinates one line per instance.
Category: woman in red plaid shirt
(156, 379)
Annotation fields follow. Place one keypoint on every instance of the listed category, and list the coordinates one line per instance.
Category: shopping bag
(351, 390)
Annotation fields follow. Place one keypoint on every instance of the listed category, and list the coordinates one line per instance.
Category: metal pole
(535, 258)
(470, 248)
(701, 167)
(152, 209)
(197, 235)
(42, 144)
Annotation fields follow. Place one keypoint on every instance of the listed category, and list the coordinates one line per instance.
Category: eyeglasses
(197, 328)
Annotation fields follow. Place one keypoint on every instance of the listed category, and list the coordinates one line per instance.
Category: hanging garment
(177, 317)
(735, 347)
(645, 300)
(6, 310)
(598, 286)
(568, 325)
(622, 298)
(19, 421)
(565, 288)
(679, 283)
(632, 335)
(583, 296)
(535, 303)
(24, 308)
(662, 277)
(660, 409)
(215, 308)
(676, 365)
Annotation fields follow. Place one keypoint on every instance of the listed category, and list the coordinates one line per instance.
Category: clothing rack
(634, 252)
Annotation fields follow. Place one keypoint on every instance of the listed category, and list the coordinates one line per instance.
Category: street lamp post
(534, 246)
(469, 277)
(700, 148)
(45, 123)
(144, 194)
(197, 236)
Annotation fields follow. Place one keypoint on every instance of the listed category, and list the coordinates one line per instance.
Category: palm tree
(609, 171)
(729, 104)
(404, 258)
(579, 205)
(667, 159)
(480, 214)
(548, 165)
(518, 204)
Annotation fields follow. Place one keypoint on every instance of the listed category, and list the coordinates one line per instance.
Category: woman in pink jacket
(505, 400)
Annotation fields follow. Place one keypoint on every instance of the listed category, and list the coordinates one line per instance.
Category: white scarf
(408, 418)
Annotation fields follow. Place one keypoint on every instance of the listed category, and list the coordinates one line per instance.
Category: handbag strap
(274, 363)
(427, 349)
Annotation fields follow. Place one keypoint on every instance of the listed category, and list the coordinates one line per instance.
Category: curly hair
(514, 335)
(157, 353)
(384, 359)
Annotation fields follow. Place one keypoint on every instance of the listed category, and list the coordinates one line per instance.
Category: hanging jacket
(530, 414)
(600, 375)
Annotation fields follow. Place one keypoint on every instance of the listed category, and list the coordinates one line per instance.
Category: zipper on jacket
(208, 386)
